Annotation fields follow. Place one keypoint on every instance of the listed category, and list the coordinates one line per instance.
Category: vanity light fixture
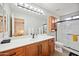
(20, 4)
(31, 8)
(26, 5)
(68, 18)
(75, 17)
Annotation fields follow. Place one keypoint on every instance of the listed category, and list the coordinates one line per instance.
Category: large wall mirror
(18, 27)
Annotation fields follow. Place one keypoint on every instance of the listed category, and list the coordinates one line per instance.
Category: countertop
(21, 41)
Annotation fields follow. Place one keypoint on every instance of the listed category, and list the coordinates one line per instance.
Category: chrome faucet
(33, 35)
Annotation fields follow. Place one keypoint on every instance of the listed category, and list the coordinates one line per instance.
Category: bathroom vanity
(43, 45)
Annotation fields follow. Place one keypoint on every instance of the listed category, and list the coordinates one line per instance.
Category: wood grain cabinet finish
(51, 23)
(20, 51)
(31, 50)
(11, 52)
(51, 47)
(43, 48)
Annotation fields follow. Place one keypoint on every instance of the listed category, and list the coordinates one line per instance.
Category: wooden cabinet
(47, 48)
(31, 50)
(14, 52)
(51, 46)
(8, 53)
(43, 48)
(20, 51)
(51, 23)
(38, 49)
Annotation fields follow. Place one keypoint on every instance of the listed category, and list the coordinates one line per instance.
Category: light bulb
(26, 5)
(35, 9)
(68, 18)
(38, 10)
(21, 4)
(31, 7)
(75, 17)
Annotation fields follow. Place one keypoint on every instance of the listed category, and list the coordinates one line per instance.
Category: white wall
(69, 15)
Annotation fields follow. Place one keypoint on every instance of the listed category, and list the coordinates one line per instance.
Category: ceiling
(59, 8)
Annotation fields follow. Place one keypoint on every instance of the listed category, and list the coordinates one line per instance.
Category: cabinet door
(51, 46)
(31, 50)
(20, 51)
(51, 23)
(45, 48)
